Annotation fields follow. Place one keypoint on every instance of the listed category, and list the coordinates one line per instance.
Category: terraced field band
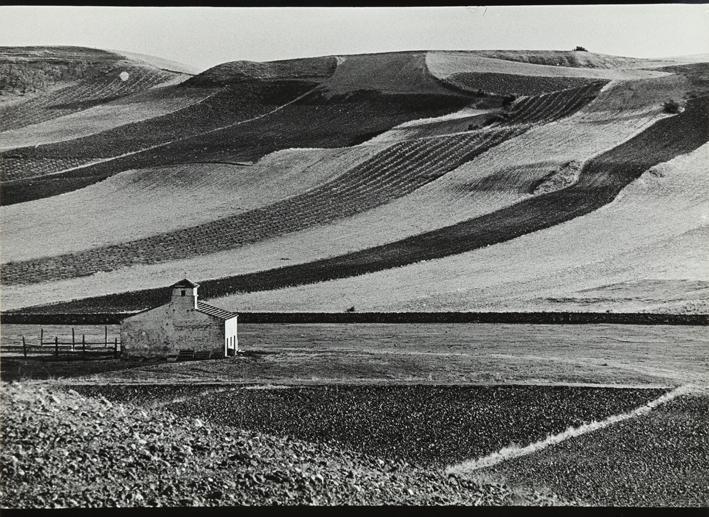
(599, 182)
(393, 173)
(86, 94)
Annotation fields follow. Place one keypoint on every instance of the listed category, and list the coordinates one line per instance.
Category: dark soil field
(658, 459)
(36, 172)
(224, 106)
(423, 425)
(60, 450)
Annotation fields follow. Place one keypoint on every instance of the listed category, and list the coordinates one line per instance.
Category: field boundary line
(507, 453)
(161, 85)
(96, 379)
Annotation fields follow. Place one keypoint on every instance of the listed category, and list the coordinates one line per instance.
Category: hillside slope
(372, 183)
(242, 121)
(645, 251)
(499, 178)
(341, 173)
(398, 72)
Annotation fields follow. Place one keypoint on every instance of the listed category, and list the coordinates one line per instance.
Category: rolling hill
(404, 181)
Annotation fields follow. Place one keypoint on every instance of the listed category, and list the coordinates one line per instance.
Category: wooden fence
(74, 349)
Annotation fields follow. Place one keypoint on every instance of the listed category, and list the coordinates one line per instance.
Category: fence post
(115, 348)
(83, 346)
(73, 342)
(56, 346)
(24, 346)
(41, 336)
(105, 336)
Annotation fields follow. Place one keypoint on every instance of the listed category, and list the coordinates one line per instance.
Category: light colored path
(508, 453)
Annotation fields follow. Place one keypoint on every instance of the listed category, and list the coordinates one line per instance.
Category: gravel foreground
(61, 449)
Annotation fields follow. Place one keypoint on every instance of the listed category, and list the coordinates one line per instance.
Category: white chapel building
(182, 327)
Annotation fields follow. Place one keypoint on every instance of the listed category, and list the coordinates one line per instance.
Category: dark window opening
(183, 292)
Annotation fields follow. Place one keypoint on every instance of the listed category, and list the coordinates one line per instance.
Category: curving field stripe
(524, 110)
(121, 142)
(332, 123)
(506, 84)
(391, 173)
(139, 107)
(445, 64)
(151, 201)
(552, 106)
(85, 94)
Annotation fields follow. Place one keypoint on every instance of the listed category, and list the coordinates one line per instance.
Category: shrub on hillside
(674, 107)
(580, 49)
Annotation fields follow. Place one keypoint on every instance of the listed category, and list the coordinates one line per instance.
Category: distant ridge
(306, 69)
(158, 62)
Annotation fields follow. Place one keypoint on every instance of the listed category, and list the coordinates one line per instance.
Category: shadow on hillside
(18, 369)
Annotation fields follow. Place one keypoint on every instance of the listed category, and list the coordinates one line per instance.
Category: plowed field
(423, 425)
(391, 173)
(254, 128)
(658, 459)
(586, 267)
(396, 171)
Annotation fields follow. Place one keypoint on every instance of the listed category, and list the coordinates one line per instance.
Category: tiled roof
(185, 283)
(214, 311)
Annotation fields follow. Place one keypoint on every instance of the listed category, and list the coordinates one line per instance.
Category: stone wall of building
(165, 330)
